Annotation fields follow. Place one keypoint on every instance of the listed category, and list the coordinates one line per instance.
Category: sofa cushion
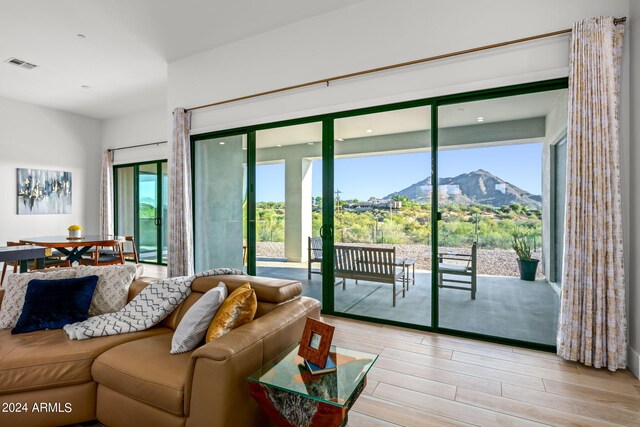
(238, 309)
(16, 290)
(145, 371)
(267, 289)
(269, 292)
(51, 304)
(113, 286)
(195, 322)
(45, 359)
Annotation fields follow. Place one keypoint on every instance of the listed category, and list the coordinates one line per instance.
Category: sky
(378, 176)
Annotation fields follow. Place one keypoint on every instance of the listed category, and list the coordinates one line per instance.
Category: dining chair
(128, 254)
(98, 257)
(14, 264)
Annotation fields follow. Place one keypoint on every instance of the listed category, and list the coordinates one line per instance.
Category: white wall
(375, 33)
(42, 138)
(632, 182)
(135, 129)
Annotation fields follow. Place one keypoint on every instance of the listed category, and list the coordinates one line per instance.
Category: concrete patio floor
(504, 306)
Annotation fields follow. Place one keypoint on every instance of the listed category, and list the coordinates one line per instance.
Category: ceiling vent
(20, 63)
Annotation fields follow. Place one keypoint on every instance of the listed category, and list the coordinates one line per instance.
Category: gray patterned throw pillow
(112, 288)
(16, 289)
(196, 320)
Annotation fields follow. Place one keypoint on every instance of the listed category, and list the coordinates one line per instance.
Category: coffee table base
(291, 410)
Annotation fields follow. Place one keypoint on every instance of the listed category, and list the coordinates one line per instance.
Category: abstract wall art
(43, 192)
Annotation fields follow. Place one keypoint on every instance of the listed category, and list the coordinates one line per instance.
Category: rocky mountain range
(478, 186)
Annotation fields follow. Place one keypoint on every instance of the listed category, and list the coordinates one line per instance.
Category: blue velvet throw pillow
(51, 304)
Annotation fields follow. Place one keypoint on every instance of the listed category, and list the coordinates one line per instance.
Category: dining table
(74, 248)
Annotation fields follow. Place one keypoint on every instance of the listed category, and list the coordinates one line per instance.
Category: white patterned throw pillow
(16, 288)
(196, 320)
(112, 288)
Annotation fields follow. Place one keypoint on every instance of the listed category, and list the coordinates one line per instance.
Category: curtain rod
(136, 146)
(328, 80)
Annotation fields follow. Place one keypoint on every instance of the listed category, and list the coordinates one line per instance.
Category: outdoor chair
(314, 249)
(459, 265)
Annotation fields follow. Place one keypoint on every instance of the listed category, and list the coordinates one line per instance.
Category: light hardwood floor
(427, 379)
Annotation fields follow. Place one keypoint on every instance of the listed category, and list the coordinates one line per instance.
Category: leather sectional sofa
(132, 380)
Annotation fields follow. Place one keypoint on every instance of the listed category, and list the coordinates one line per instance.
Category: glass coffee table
(291, 396)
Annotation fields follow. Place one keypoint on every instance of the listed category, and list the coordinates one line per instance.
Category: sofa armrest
(216, 393)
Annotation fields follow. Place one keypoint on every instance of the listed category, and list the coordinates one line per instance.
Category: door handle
(157, 222)
(329, 234)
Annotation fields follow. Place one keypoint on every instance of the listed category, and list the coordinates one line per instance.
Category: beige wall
(631, 179)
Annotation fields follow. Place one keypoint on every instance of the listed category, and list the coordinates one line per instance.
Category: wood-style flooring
(426, 379)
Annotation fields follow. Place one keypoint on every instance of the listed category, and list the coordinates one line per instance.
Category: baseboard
(633, 362)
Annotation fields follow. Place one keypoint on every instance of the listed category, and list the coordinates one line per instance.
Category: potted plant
(527, 265)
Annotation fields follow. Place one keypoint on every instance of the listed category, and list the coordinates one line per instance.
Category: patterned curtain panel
(592, 327)
(106, 194)
(180, 256)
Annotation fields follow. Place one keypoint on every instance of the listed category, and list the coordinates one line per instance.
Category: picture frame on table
(315, 343)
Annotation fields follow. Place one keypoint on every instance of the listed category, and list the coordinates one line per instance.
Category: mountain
(474, 187)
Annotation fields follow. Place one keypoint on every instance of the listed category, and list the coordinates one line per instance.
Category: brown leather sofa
(132, 380)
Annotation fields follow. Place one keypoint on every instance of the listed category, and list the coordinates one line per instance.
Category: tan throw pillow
(239, 308)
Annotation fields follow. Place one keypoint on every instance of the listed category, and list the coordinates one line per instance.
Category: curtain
(180, 256)
(592, 326)
(106, 194)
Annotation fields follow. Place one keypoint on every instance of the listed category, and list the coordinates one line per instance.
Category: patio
(504, 306)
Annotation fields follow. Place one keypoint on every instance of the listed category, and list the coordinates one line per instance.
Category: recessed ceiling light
(309, 143)
(221, 142)
(340, 139)
(480, 119)
(81, 36)
(369, 130)
(85, 87)
(279, 145)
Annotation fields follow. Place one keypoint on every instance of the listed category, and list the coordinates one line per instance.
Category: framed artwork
(316, 342)
(43, 192)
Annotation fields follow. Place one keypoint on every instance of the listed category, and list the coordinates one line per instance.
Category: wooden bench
(466, 267)
(314, 248)
(370, 264)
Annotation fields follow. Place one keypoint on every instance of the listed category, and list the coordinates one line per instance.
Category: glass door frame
(328, 123)
(136, 205)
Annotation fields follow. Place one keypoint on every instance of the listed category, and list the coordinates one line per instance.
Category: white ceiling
(127, 46)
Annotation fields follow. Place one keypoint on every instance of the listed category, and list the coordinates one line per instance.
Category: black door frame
(328, 121)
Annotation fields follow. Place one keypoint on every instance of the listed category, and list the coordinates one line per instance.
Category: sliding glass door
(220, 202)
(412, 214)
(289, 204)
(382, 215)
(141, 207)
(493, 198)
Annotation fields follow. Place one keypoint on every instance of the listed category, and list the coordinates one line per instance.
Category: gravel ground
(496, 262)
